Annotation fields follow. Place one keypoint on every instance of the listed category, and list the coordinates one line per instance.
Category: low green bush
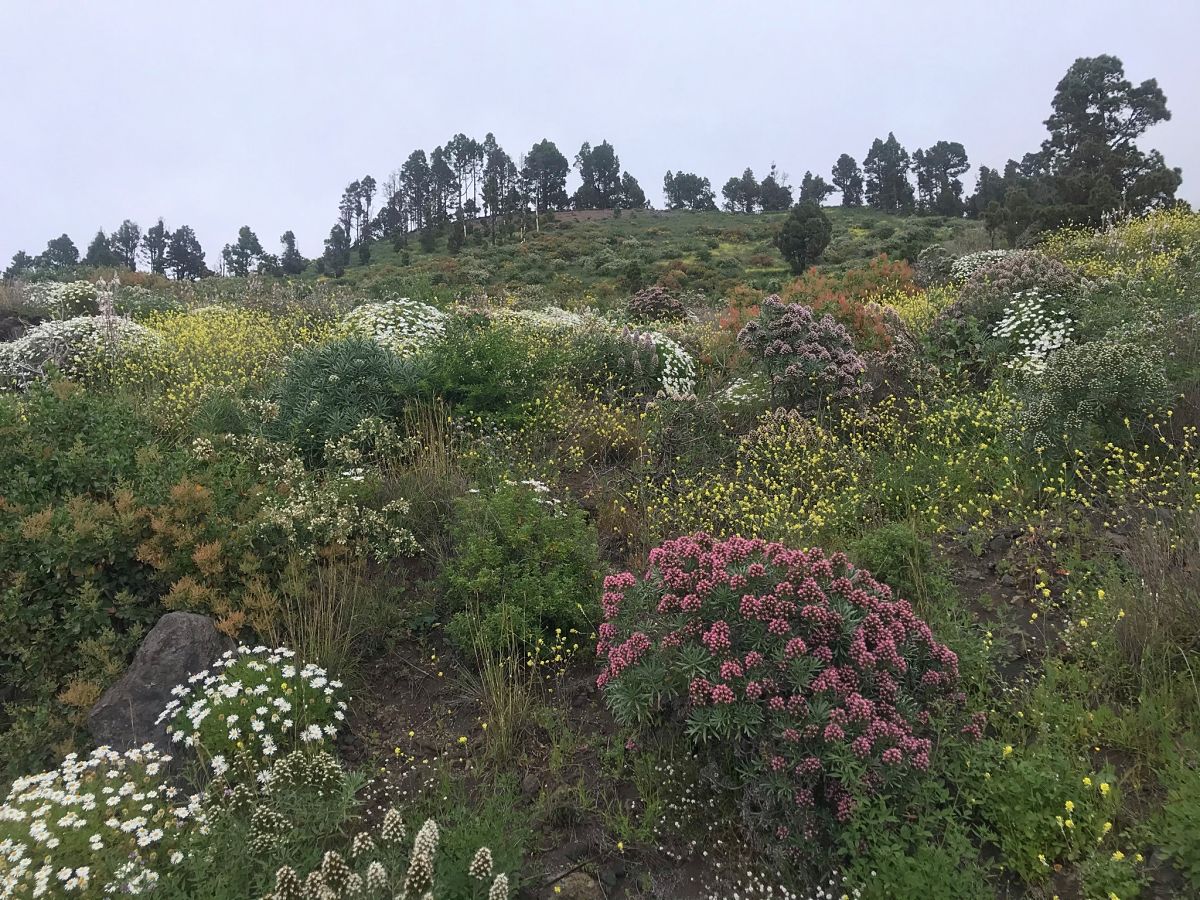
(524, 562)
(1179, 829)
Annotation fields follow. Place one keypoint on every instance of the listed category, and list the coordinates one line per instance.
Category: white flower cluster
(966, 266)
(63, 299)
(677, 369)
(403, 326)
(549, 318)
(254, 704)
(96, 824)
(320, 512)
(75, 347)
(745, 389)
(372, 440)
(541, 493)
(1037, 325)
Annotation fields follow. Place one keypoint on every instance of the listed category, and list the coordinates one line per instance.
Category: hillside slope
(603, 255)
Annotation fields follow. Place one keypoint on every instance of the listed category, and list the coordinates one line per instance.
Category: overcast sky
(224, 113)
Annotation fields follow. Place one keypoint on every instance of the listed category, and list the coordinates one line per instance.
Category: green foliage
(486, 368)
(804, 236)
(897, 556)
(306, 809)
(522, 557)
(891, 857)
(1179, 831)
(329, 389)
(1042, 806)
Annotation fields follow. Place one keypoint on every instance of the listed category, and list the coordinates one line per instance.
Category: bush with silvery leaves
(1101, 388)
(77, 348)
(64, 299)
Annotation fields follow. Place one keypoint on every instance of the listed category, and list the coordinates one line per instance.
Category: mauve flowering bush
(655, 304)
(809, 359)
(803, 675)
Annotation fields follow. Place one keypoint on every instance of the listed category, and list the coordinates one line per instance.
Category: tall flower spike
(363, 843)
(481, 865)
(377, 877)
(499, 889)
(335, 872)
(419, 877)
(314, 885)
(288, 885)
(427, 839)
(392, 831)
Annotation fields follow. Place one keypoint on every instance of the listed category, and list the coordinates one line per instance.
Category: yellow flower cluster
(211, 348)
(939, 463)
(918, 310)
(1147, 248)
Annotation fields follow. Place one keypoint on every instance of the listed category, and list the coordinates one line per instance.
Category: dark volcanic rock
(179, 646)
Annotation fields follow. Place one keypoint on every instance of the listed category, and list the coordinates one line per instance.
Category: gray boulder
(180, 645)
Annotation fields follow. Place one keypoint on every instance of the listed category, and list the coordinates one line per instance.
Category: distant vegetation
(468, 192)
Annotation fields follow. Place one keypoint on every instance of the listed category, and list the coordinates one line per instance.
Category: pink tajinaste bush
(809, 358)
(804, 674)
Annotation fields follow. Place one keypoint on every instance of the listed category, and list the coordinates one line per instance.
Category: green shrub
(522, 557)
(897, 556)
(74, 596)
(1096, 390)
(486, 368)
(1179, 831)
(139, 302)
(1042, 807)
(328, 390)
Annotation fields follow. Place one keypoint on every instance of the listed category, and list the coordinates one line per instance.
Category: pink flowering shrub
(802, 673)
(808, 357)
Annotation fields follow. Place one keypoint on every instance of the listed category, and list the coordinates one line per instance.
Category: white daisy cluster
(63, 299)
(96, 826)
(966, 266)
(403, 326)
(677, 369)
(255, 703)
(1037, 325)
(75, 347)
(744, 389)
